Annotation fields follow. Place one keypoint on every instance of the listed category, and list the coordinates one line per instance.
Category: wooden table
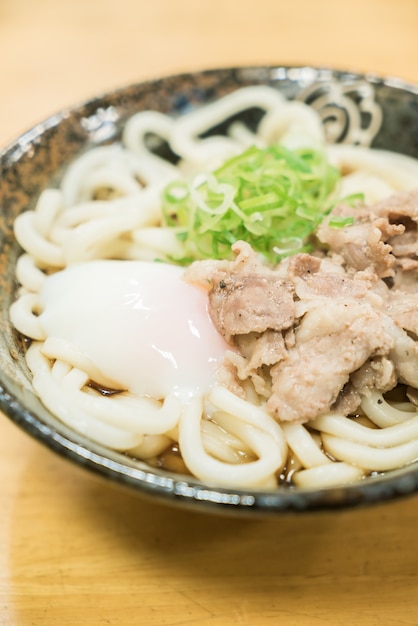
(74, 550)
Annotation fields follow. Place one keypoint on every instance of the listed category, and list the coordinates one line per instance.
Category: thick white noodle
(368, 458)
(151, 446)
(211, 470)
(294, 125)
(23, 315)
(150, 242)
(126, 412)
(348, 429)
(210, 152)
(221, 443)
(338, 473)
(153, 168)
(304, 446)
(240, 133)
(61, 350)
(98, 238)
(28, 273)
(376, 173)
(49, 207)
(60, 403)
(381, 412)
(228, 402)
(128, 173)
(44, 252)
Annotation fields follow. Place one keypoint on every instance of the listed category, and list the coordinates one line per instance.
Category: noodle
(108, 206)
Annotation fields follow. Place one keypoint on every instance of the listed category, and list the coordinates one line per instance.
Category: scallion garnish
(273, 198)
(338, 221)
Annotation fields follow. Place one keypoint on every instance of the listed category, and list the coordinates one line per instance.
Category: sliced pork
(320, 330)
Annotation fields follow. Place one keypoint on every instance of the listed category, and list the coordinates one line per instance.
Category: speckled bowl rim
(164, 486)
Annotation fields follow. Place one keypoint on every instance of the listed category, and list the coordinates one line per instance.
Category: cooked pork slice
(348, 401)
(246, 261)
(405, 245)
(403, 309)
(228, 377)
(406, 264)
(301, 265)
(261, 348)
(383, 235)
(244, 295)
(376, 373)
(362, 244)
(315, 278)
(240, 304)
(404, 353)
(334, 340)
(398, 206)
(406, 280)
(257, 350)
(328, 285)
(318, 331)
(402, 210)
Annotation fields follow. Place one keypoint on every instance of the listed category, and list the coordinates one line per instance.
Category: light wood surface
(74, 550)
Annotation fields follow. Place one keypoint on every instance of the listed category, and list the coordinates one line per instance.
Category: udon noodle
(108, 206)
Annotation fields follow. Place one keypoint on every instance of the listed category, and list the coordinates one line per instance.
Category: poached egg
(138, 322)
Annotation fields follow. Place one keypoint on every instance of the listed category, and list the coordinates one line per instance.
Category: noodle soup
(229, 292)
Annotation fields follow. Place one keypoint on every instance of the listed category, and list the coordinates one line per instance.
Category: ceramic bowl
(354, 108)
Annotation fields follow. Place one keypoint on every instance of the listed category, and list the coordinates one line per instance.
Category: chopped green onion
(273, 198)
(354, 199)
(338, 221)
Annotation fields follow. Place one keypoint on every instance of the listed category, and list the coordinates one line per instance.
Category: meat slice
(404, 353)
(405, 279)
(384, 236)
(261, 349)
(244, 295)
(256, 351)
(251, 303)
(301, 266)
(318, 331)
(376, 373)
(405, 244)
(334, 340)
(363, 244)
(326, 285)
(401, 210)
(403, 309)
(348, 401)
(398, 206)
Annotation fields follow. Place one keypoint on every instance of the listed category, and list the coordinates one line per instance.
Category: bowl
(355, 108)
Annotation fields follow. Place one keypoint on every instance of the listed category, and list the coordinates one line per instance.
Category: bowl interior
(385, 113)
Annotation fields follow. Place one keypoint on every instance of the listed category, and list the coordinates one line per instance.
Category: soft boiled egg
(140, 324)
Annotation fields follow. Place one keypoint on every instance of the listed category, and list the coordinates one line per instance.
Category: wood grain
(75, 550)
